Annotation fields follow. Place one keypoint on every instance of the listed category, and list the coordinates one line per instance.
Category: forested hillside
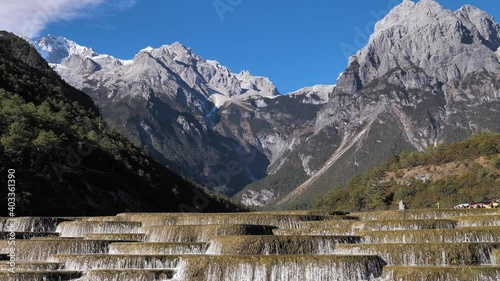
(67, 160)
(467, 171)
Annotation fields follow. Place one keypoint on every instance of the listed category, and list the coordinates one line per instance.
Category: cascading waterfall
(279, 268)
(116, 236)
(426, 214)
(81, 228)
(464, 235)
(42, 250)
(309, 246)
(31, 224)
(151, 219)
(338, 223)
(32, 266)
(425, 253)
(478, 221)
(280, 220)
(277, 245)
(158, 248)
(381, 225)
(105, 261)
(201, 233)
(315, 232)
(451, 273)
(127, 275)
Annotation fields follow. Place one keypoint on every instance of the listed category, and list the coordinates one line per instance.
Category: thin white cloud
(30, 17)
(125, 4)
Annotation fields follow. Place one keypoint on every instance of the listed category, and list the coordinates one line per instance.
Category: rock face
(446, 45)
(427, 75)
(216, 127)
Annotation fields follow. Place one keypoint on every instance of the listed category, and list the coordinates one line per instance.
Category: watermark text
(11, 222)
(225, 6)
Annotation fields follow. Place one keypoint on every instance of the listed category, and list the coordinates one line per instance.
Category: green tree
(44, 112)
(46, 140)
(17, 138)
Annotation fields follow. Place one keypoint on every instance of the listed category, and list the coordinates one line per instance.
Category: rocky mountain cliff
(216, 127)
(427, 76)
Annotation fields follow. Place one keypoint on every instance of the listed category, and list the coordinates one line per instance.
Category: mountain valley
(427, 76)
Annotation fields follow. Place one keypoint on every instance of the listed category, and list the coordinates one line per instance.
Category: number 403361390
(11, 196)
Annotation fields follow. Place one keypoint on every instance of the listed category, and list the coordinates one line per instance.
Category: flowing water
(105, 261)
(116, 237)
(31, 224)
(281, 220)
(42, 250)
(202, 233)
(128, 274)
(444, 245)
(463, 235)
(158, 248)
(81, 228)
(451, 273)
(280, 268)
(277, 245)
(425, 253)
(55, 275)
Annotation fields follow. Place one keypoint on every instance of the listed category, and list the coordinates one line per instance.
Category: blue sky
(295, 43)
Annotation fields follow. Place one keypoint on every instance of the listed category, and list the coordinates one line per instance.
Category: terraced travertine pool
(444, 245)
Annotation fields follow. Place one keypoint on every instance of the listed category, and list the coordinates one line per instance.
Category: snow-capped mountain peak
(219, 79)
(148, 49)
(56, 48)
(179, 48)
(209, 77)
(256, 85)
(318, 94)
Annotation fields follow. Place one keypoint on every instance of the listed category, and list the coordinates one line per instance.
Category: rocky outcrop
(446, 45)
